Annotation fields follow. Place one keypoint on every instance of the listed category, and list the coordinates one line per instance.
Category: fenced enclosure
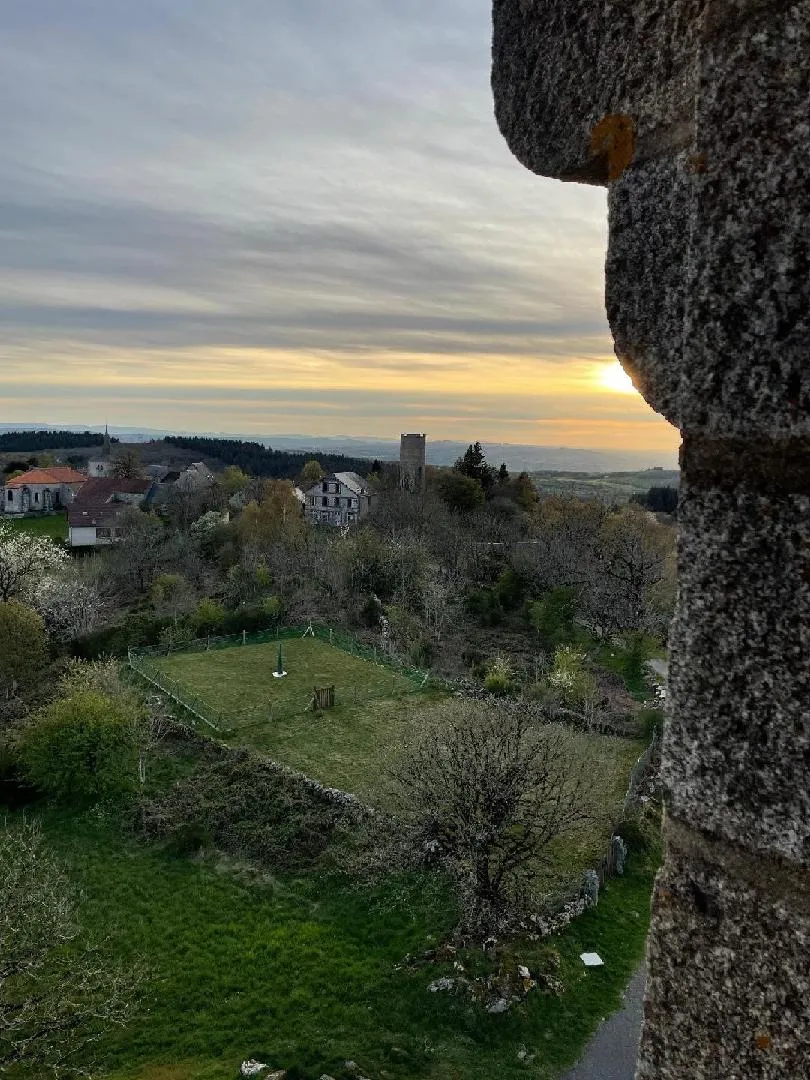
(228, 683)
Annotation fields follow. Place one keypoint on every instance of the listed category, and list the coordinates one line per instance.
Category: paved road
(612, 1052)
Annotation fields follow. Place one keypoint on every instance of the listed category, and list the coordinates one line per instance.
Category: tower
(412, 462)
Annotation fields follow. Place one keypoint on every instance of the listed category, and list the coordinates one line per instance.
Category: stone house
(339, 499)
(95, 516)
(41, 491)
(195, 478)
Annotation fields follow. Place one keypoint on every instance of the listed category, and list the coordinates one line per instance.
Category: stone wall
(696, 114)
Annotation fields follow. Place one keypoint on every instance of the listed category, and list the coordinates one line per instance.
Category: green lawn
(301, 972)
(53, 526)
(347, 747)
(353, 745)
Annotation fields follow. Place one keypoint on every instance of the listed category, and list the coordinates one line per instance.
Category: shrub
(23, 651)
(552, 616)
(209, 616)
(247, 808)
(421, 653)
(499, 676)
(81, 748)
(173, 637)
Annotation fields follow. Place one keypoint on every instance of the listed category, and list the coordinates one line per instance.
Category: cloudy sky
(290, 216)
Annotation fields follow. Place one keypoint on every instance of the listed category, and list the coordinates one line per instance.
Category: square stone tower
(412, 462)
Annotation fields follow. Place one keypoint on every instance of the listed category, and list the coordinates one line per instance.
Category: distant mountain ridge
(518, 456)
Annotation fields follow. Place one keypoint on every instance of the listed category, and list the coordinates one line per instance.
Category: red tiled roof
(58, 474)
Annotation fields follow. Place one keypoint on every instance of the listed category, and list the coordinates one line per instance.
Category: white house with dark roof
(95, 516)
(339, 499)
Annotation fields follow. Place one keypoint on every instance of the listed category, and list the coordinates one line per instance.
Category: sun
(612, 376)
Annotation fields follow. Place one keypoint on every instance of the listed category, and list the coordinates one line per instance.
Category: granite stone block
(747, 320)
(728, 985)
(562, 66)
(737, 750)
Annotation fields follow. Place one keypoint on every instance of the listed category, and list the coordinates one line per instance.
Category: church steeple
(107, 446)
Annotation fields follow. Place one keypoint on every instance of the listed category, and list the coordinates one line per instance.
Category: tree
(552, 616)
(141, 553)
(503, 474)
(473, 463)
(23, 651)
(487, 788)
(58, 993)
(661, 499)
(275, 515)
(171, 593)
(311, 474)
(69, 605)
(129, 465)
(81, 747)
(24, 561)
(233, 480)
(634, 552)
(209, 616)
(459, 492)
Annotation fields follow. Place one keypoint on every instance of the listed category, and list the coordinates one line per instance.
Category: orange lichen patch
(698, 163)
(614, 138)
(763, 1041)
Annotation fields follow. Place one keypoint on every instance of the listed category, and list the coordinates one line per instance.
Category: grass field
(53, 526)
(347, 747)
(353, 746)
(301, 972)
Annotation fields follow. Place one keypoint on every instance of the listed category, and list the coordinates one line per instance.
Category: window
(324, 487)
(103, 534)
(324, 500)
(11, 496)
(36, 496)
(337, 500)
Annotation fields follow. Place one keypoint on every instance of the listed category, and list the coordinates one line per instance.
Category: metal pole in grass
(244, 636)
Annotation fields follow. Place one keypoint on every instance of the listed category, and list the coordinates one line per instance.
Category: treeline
(259, 460)
(661, 500)
(33, 441)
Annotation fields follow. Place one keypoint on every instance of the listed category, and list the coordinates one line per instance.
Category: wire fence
(404, 680)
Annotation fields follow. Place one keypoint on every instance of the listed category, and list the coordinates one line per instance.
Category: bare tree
(58, 993)
(487, 788)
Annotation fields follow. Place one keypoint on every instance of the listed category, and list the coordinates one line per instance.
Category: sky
(287, 216)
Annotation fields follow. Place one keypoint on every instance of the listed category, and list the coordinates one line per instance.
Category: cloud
(304, 183)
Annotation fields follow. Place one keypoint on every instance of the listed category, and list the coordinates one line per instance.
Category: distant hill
(518, 456)
(30, 441)
(260, 460)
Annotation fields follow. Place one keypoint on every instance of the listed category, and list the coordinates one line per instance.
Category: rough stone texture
(748, 317)
(737, 746)
(649, 208)
(728, 985)
(697, 115)
(560, 66)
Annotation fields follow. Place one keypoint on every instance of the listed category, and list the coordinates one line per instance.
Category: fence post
(244, 636)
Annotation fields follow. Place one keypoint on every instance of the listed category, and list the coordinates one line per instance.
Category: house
(95, 516)
(41, 491)
(196, 477)
(339, 499)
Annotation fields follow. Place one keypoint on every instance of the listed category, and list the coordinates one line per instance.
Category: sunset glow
(612, 376)
(231, 239)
